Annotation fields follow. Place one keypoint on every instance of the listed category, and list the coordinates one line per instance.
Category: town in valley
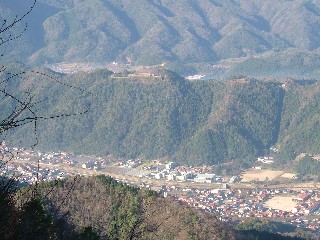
(281, 196)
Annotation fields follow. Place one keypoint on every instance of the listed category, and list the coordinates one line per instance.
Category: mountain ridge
(155, 116)
(153, 32)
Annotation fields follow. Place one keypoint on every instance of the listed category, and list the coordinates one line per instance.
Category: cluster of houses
(265, 160)
(131, 163)
(232, 204)
(51, 157)
(308, 202)
(226, 203)
(195, 77)
(173, 172)
(29, 166)
(311, 224)
(178, 175)
(31, 173)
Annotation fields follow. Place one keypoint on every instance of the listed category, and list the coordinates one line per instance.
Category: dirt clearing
(284, 203)
(260, 175)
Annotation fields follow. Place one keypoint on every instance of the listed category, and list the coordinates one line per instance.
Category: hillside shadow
(127, 21)
(215, 3)
(215, 34)
(258, 22)
(167, 12)
(279, 116)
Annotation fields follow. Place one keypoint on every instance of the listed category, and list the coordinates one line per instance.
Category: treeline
(101, 208)
(113, 210)
(268, 229)
(308, 165)
(291, 63)
(24, 215)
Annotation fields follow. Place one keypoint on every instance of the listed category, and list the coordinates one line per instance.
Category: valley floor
(297, 203)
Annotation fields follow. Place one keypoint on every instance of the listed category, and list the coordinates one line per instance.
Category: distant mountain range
(148, 32)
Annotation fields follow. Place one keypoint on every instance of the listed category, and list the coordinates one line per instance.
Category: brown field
(260, 175)
(283, 203)
(288, 175)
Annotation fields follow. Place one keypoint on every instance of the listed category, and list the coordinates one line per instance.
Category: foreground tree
(30, 218)
(22, 215)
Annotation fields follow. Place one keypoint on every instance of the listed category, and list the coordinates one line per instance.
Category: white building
(159, 175)
(234, 179)
(205, 178)
(171, 165)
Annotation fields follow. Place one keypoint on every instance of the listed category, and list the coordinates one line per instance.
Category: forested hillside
(164, 115)
(117, 211)
(122, 212)
(101, 208)
(290, 63)
(152, 32)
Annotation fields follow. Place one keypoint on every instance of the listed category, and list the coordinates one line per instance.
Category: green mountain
(152, 32)
(290, 63)
(163, 115)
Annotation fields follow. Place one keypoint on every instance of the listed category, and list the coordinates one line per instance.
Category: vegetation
(268, 229)
(257, 224)
(117, 211)
(153, 32)
(179, 117)
(20, 220)
(290, 63)
(101, 208)
(257, 235)
(192, 122)
(308, 165)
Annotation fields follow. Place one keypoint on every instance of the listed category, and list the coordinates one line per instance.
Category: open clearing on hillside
(284, 203)
(260, 175)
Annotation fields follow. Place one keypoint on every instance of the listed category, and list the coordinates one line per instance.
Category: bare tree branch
(5, 27)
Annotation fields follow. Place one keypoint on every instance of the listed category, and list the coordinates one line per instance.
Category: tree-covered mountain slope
(117, 211)
(163, 115)
(100, 207)
(300, 119)
(289, 63)
(151, 32)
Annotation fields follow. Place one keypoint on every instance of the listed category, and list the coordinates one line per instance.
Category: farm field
(260, 175)
(288, 175)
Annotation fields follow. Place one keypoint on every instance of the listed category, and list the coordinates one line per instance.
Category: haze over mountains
(180, 32)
